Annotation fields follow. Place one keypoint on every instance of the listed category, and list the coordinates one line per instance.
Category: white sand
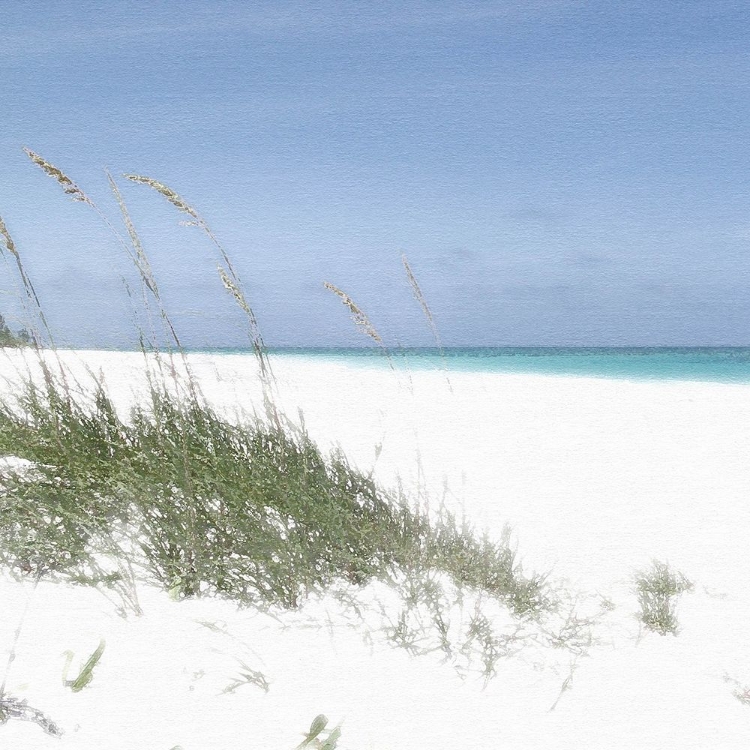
(595, 477)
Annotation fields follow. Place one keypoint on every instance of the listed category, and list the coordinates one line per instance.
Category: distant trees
(8, 338)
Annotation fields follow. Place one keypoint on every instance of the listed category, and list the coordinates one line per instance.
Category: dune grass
(175, 495)
(253, 512)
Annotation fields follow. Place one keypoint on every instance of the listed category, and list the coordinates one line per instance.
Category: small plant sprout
(658, 590)
(312, 738)
(332, 739)
(87, 670)
(319, 723)
(247, 676)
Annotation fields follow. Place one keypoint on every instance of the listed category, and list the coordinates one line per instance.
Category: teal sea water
(725, 364)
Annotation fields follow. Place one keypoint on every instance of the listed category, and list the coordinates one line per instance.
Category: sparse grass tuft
(251, 512)
(659, 589)
(247, 676)
(741, 691)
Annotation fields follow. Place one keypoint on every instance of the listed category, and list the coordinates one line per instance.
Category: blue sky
(557, 172)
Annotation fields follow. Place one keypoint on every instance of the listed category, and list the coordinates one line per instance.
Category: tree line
(8, 338)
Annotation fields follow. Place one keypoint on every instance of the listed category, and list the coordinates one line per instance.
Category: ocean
(712, 364)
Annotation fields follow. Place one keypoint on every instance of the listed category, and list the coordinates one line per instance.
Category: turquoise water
(726, 364)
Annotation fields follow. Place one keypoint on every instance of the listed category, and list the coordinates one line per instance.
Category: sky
(557, 172)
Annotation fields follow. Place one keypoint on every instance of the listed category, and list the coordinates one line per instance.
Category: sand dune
(595, 477)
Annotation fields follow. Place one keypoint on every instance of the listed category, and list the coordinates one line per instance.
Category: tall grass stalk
(142, 264)
(419, 296)
(134, 250)
(137, 255)
(28, 287)
(231, 282)
(360, 319)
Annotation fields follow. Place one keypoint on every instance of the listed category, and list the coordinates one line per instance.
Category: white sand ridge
(595, 477)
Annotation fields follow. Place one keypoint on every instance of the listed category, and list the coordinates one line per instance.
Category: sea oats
(141, 262)
(197, 221)
(235, 291)
(259, 347)
(425, 309)
(65, 182)
(420, 298)
(25, 280)
(139, 259)
(167, 192)
(358, 315)
(9, 244)
(229, 278)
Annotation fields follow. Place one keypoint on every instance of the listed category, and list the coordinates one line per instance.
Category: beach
(594, 477)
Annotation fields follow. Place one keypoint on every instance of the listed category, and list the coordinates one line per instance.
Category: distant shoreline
(432, 350)
(641, 364)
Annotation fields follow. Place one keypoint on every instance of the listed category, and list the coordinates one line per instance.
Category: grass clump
(658, 589)
(50, 514)
(248, 511)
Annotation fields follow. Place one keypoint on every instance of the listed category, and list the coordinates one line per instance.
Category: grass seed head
(419, 296)
(167, 192)
(68, 186)
(358, 315)
(7, 239)
(234, 290)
